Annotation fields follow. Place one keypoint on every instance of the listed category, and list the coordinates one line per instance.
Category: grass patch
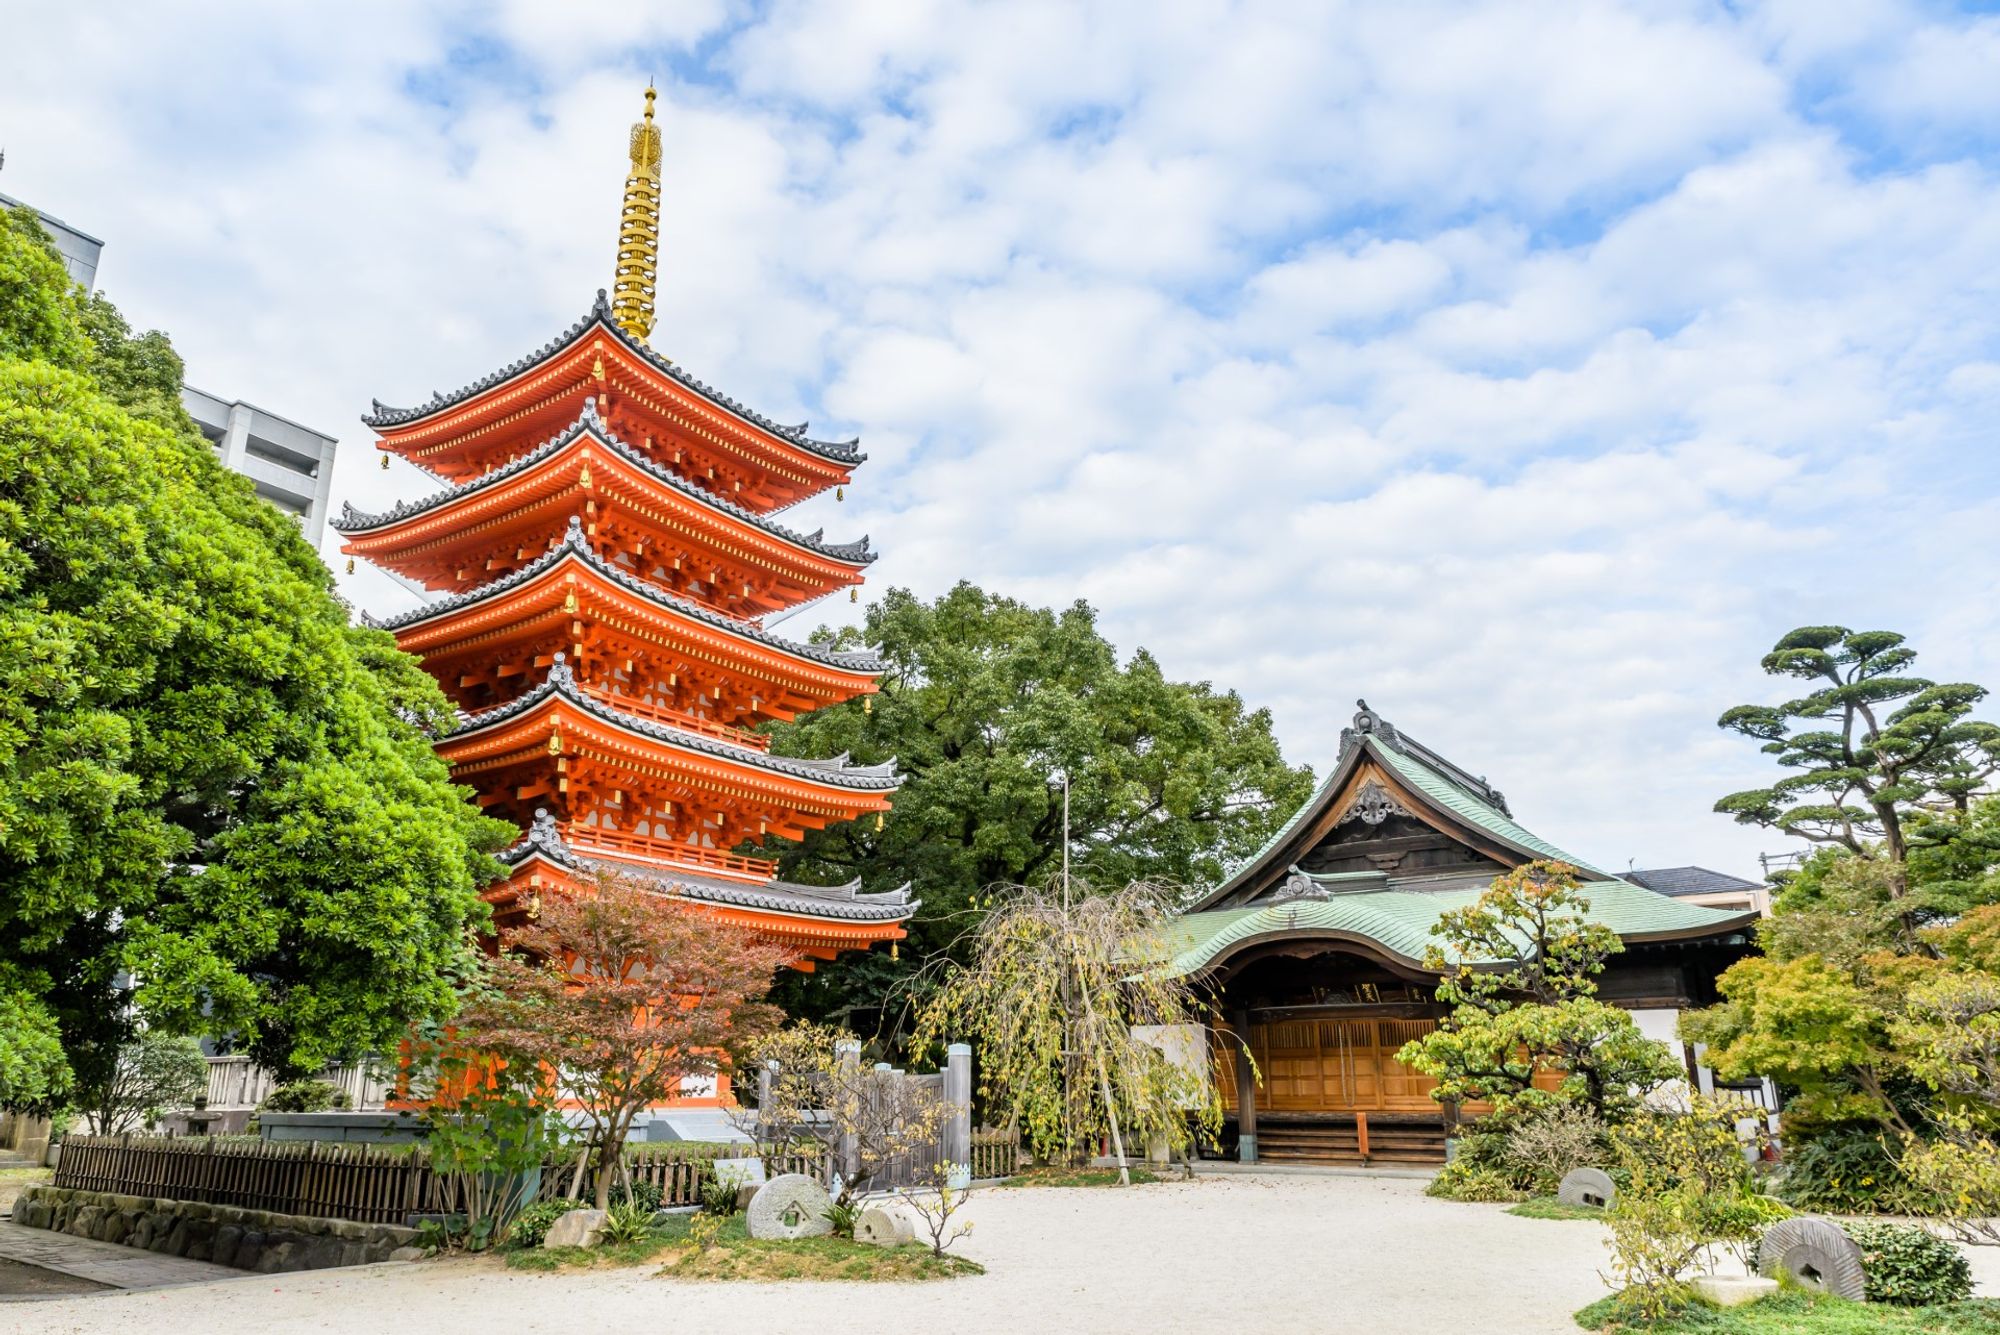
(1805, 1314)
(1548, 1207)
(738, 1256)
(1075, 1177)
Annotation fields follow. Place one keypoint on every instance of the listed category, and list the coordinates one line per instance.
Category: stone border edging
(252, 1240)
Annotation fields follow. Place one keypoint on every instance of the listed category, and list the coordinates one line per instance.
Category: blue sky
(1526, 369)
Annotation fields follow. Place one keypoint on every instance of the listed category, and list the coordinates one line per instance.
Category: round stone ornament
(1590, 1187)
(884, 1228)
(1817, 1255)
(789, 1206)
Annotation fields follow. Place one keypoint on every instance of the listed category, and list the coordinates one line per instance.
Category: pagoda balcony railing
(654, 852)
(680, 718)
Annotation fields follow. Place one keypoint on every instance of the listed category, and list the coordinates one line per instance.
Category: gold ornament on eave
(638, 273)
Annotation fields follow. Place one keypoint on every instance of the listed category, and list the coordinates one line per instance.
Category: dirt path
(1250, 1253)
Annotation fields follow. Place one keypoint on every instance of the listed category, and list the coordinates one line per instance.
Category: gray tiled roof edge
(574, 543)
(846, 452)
(562, 681)
(352, 520)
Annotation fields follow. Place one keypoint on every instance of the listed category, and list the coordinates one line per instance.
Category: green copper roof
(1400, 921)
(1463, 804)
(1455, 793)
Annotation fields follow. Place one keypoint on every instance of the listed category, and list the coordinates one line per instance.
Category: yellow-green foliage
(1058, 981)
(1520, 967)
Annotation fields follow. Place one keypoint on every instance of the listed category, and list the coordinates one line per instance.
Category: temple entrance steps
(1364, 1138)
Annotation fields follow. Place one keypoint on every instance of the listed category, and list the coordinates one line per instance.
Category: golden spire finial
(639, 232)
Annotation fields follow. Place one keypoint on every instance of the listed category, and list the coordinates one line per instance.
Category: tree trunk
(1104, 1085)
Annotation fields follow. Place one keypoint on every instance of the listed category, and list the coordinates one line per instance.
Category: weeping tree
(1071, 1002)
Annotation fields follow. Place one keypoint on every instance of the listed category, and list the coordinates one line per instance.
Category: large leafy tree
(219, 809)
(986, 705)
(1881, 760)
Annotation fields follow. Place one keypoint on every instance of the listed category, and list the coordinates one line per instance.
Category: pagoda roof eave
(385, 418)
(844, 904)
(356, 523)
(574, 546)
(561, 683)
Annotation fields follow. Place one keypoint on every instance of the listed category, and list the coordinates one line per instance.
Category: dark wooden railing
(681, 1167)
(371, 1184)
(324, 1179)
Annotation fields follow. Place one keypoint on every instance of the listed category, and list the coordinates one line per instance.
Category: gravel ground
(1242, 1254)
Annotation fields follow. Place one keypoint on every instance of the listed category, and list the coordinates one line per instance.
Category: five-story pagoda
(606, 541)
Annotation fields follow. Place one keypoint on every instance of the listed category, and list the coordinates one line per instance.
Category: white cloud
(1526, 370)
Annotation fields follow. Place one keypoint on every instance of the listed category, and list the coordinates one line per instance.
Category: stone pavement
(104, 1262)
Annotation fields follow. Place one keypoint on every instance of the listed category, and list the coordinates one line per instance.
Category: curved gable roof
(1452, 795)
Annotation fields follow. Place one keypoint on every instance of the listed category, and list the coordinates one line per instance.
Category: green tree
(1881, 759)
(33, 1070)
(219, 809)
(154, 1074)
(986, 704)
(1519, 970)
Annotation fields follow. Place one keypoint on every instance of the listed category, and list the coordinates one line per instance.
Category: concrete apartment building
(79, 249)
(290, 465)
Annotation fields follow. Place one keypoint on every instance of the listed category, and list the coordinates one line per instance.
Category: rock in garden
(1816, 1254)
(578, 1228)
(407, 1254)
(883, 1228)
(745, 1172)
(790, 1205)
(1590, 1187)
(1734, 1290)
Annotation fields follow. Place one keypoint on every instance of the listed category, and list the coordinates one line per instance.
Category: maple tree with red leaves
(621, 996)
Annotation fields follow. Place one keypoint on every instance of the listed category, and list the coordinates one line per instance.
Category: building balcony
(680, 718)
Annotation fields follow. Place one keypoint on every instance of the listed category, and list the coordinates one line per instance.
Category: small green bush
(645, 1194)
(1845, 1170)
(843, 1218)
(627, 1223)
(718, 1198)
(1910, 1267)
(532, 1224)
(1465, 1180)
(305, 1096)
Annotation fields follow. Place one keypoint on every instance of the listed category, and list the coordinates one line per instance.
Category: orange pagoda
(605, 539)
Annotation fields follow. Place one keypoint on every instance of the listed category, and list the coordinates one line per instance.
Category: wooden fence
(680, 1168)
(323, 1179)
(372, 1184)
(994, 1153)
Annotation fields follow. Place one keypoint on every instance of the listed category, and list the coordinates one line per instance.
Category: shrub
(1846, 1170)
(843, 1217)
(1466, 1180)
(1958, 1178)
(532, 1224)
(1738, 1221)
(647, 1195)
(1655, 1241)
(1549, 1141)
(1911, 1267)
(628, 1223)
(1658, 1151)
(718, 1198)
(305, 1096)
